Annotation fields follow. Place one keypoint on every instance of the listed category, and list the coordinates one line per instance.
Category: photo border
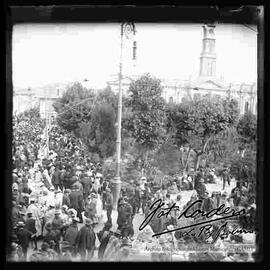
(162, 14)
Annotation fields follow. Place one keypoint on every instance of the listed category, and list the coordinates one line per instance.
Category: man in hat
(51, 234)
(124, 220)
(85, 242)
(65, 199)
(87, 184)
(236, 194)
(31, 227)
(109, 205)
(201, 188)
(224, 199)
(208, 202)
(225, 175)
(56, 177)
(15, 193)
(71, 234)
(76, 201)
(104, 186)
(57, 223)
(23, 236)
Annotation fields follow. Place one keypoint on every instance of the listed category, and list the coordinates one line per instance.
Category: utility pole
(126, 28)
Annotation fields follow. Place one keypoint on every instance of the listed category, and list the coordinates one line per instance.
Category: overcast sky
(47, 53)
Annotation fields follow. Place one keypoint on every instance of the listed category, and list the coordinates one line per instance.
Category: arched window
(246, 107)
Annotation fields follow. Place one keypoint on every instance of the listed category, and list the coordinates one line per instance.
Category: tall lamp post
(127, 28)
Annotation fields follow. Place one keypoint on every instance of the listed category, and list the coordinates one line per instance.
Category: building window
(171, 99)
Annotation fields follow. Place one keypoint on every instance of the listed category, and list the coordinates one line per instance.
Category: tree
(247, 130)
(146, 117)
(147, 120)
(31, 113)
(91, 116)
(198, 122)
(74, 106)
(243, 165)
(99, 134)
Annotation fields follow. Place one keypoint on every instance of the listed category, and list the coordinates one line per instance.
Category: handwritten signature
(159, 211)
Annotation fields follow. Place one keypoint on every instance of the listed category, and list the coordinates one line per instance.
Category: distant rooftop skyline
(62, 53)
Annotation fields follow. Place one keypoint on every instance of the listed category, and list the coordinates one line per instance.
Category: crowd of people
(62, 200)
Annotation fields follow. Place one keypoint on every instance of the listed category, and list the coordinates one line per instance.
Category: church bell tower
(208, 55)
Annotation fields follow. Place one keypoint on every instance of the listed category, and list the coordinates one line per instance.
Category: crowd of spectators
(61, 200)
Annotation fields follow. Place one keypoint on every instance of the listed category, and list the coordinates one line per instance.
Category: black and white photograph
(134, 141)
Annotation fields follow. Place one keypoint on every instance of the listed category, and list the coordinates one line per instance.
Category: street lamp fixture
(127, 29)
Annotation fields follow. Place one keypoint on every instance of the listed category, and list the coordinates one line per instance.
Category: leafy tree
(247, 131)
(74, 106)
(91, 116)
(99, 134)
(196, 123)
(145, 117)
(30, 113)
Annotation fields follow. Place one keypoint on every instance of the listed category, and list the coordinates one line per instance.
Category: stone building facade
(206, 83)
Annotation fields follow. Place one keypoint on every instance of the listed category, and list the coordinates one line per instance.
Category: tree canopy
(197, 122)
(91, 116)
(147, 115)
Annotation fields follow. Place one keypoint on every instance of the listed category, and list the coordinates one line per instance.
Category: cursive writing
(159, 211)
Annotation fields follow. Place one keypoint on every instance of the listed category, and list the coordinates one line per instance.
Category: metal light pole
(126, 28)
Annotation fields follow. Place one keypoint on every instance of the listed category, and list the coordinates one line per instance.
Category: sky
(50, 53)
